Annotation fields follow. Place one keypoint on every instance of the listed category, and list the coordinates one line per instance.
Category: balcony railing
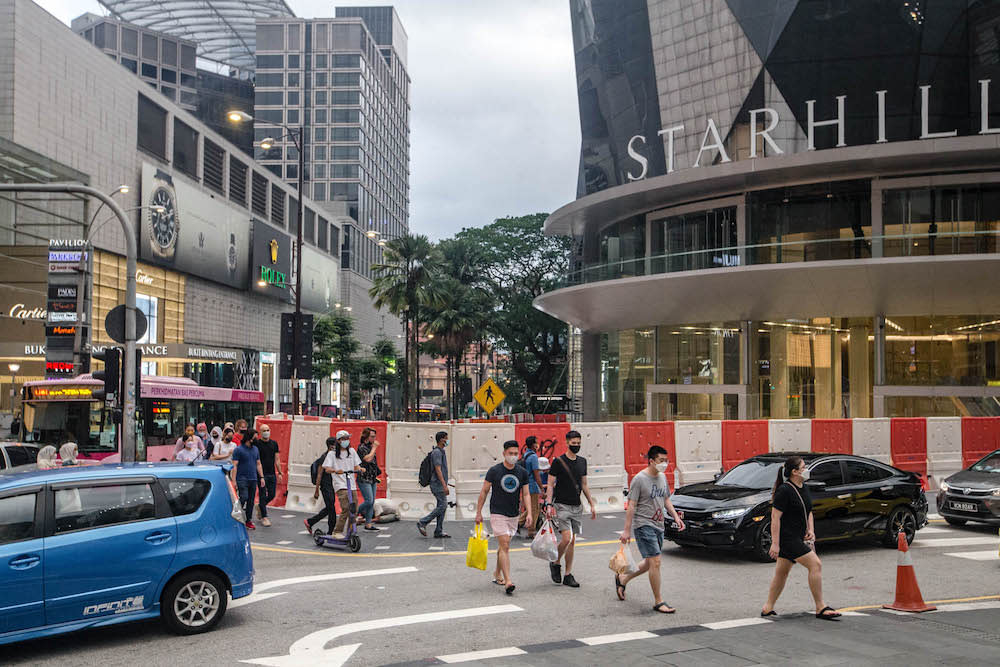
(889, 245)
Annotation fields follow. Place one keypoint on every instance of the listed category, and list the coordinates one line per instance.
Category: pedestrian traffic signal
(111, 356)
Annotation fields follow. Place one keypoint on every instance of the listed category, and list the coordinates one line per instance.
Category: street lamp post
(298, 138)
(13, 368)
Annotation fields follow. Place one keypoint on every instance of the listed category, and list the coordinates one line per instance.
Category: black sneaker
(568, 580)
(555, 569)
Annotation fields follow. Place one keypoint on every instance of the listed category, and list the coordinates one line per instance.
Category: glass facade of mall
(819, 175)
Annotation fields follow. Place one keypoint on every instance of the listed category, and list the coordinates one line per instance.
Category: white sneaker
(338, 536)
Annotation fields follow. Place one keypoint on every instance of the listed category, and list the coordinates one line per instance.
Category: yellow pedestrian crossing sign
(489, 396)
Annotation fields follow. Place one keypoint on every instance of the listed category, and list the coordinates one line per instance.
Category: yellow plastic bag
(475, 554)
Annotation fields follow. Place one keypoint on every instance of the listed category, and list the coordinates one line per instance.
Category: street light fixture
(298, 137)
(123, 189)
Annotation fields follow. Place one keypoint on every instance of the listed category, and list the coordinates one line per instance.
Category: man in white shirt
(338, 461)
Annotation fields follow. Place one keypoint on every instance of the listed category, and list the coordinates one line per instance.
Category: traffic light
(111, 356)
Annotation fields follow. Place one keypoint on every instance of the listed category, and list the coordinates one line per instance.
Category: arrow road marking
(259, 593)
(310, 649)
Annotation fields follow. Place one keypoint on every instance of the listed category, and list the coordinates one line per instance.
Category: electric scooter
(351, 539)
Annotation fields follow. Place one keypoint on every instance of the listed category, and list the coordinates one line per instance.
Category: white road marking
(735, 623)
(310, 649)
(621, 637)
(852, 613)
(435, 548)
(383, 535)
(284, 542)
(610, 516)
(260, 590)
(968, 606)
(304, 532)
(481, 655)
(933, 516)
(382, 546)
(287, 516)
(976, 555)
(935, 530)
(954, 542)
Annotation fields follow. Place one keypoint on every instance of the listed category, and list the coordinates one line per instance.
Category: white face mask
(265, 435)
(805, 474)
(511, 460)
(661, 467)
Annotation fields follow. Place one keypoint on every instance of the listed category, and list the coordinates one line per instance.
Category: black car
(972, 494)
(852, 497)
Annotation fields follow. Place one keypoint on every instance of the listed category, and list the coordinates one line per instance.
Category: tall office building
(343, 80)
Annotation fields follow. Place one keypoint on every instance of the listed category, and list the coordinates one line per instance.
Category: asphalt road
(458, 609)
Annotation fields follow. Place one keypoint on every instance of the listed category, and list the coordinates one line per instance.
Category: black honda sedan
(853, 497)
(972, 494)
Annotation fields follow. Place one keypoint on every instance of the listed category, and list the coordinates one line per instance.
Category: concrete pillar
(859, 372)
(823, 344)
(590, 350)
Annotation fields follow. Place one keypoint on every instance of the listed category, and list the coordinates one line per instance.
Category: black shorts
(793, 548)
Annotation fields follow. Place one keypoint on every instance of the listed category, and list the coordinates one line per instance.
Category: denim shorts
(649, 540)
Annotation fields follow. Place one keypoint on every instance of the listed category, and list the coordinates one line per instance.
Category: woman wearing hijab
(215, 439)
(47, 458)
(68, 452)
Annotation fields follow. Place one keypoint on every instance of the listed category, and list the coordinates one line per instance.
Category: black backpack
(316, 468)
(426, 471)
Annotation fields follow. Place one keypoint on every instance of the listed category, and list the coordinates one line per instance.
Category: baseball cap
(342, 434)
(543, 463)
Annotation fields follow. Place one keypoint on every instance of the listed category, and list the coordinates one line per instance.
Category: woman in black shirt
(793, 536)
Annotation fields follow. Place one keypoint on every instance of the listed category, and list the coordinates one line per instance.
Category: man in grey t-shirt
(439, 487)
(648, 496)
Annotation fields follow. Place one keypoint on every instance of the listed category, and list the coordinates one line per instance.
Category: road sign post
(489, 396)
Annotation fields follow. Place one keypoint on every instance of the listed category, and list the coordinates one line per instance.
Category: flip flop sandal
(498, 582)
(828, 617)
(619, 588)
(510, 589)
(663, 608)
(769, 613)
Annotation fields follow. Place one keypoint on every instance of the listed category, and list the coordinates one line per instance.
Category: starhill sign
(763, 121)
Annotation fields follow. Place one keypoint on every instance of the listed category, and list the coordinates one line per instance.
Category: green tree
(453, 322)
(515, 263)
(334, 346)
(403, 284)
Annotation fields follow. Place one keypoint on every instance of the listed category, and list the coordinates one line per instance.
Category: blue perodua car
(87, 546)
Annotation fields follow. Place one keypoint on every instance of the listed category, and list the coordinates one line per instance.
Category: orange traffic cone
(908, 597)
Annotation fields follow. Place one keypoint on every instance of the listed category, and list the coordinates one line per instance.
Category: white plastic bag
(633, 565)
(545, 545)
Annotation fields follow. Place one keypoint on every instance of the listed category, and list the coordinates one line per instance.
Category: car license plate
(964, 507)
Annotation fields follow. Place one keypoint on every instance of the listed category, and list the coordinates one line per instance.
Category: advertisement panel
(192, 231)
(320, 280)
(271, 262)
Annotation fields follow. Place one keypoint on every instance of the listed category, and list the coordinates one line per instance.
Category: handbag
(476, 551)
(809, 543)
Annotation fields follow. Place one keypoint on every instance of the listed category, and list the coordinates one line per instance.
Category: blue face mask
(444, 444)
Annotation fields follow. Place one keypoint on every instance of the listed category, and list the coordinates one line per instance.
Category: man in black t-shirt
(271, 465)
(567, 480)
(507, 485)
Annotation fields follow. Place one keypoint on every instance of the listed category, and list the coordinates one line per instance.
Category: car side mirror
(815, 484)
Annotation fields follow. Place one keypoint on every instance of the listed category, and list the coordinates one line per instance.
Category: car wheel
(355, 543)
(193, 602)
(762, 543)
(901, 519)
(955, 522)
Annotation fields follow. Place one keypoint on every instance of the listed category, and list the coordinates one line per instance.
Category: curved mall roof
(225, 30)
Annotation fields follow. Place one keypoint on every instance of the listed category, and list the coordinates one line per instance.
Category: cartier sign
(20, 311)
(763, 121)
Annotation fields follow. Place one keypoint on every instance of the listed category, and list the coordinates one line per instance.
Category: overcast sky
(494, 127)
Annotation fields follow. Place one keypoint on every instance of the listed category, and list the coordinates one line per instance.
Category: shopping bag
(545, 545)
(619, 562)
(475, 553)
(630, 556)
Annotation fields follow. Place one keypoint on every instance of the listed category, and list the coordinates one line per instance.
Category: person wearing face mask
(214, 440)
(439, 487)
(188, 431)
(270, 463)
(507, 485)
(793, 537)
(224, 450)
(190, 451)
(567, 480)
(648, 496)
(202, 432)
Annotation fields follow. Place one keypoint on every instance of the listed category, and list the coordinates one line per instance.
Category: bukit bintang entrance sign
(711, 140)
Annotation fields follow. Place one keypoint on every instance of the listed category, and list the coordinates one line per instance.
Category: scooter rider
(343, 457)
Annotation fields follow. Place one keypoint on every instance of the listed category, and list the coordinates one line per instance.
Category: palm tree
(453, 323)
(403, 284)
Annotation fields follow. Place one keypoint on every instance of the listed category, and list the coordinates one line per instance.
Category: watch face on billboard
(320, 281)
(186, 228)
